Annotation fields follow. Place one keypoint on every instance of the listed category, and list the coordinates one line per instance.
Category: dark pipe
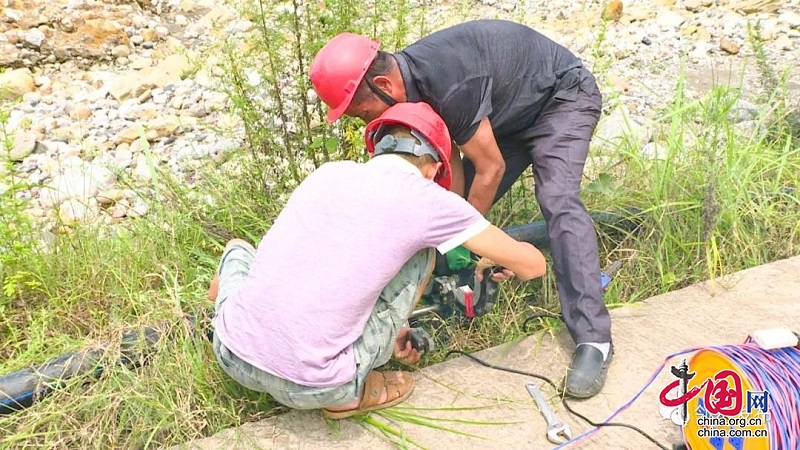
(23, 388)
(536, 232)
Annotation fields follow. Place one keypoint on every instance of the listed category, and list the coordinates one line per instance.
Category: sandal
(373, 388)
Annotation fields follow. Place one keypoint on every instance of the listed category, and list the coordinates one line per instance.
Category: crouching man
(310, 315)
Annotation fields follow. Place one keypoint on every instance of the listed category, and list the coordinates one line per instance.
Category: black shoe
(587, 373)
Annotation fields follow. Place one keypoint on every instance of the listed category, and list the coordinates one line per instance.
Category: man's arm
(522, 258)
(457, 169)
(483, 152)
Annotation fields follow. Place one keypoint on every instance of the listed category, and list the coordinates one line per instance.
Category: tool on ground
(421, 341)
(558, 432)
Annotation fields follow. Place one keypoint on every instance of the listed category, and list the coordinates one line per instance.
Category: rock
(142, 170)
(742, 111)
(670, 20)
(729, 46)
(790, 18)
(784, 43)
(93, 39)
(752, 129)
(618, 83)
(620, 127)
(139, 209)
(112, 196)
(121, 51)
(139, 63)
(187, 6)
(693, 5)
(79, 111)
(79, 181)
(162, 127)
(33, 38)
(129, 134)
(176, 65)
(756, 6)
(123, 156)
(219, 15)
(197, 111)
(23, 145)
(646, 41)
(74, 211)
(118, 211)
(700, 51)
(41, 81)
(128, 85)
(638, 13)
(32, 98)
(702, 34)
(243, 26)
(136, 83)
(612, 11)
(16, 83)
(9, 55)
(193, 31)
(655, 150)
(176, 103)
(145, 96)
(215, 101)
(150, 35)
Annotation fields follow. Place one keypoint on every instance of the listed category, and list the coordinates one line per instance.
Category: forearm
(484, 188)
(498, 248)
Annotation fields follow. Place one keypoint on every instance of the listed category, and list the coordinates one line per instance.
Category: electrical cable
(533, 317)
(563, 400)
(776, 371)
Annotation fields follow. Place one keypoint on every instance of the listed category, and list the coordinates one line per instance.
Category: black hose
(21, 389)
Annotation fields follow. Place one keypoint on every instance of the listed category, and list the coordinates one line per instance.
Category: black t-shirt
(494, 68)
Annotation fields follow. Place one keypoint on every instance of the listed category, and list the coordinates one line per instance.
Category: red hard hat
(339, 67)
(425, 123)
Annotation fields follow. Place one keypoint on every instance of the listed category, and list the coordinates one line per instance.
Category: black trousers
(556, 146)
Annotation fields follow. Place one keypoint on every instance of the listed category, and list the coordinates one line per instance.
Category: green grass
(720, 201)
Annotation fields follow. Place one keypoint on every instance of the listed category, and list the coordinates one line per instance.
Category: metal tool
(558, 432)
(421, 341)
(461, 293)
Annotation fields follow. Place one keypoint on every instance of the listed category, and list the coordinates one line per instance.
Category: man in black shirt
(511, 98)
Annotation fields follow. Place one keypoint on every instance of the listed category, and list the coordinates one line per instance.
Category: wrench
(557, 431)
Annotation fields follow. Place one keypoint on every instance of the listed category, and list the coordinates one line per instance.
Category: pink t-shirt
(345, 232)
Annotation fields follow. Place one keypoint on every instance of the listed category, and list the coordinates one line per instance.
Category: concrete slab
(495, 408)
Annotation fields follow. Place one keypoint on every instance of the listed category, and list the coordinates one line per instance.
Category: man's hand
(485, 263)
(403, 351)
(523, 259)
